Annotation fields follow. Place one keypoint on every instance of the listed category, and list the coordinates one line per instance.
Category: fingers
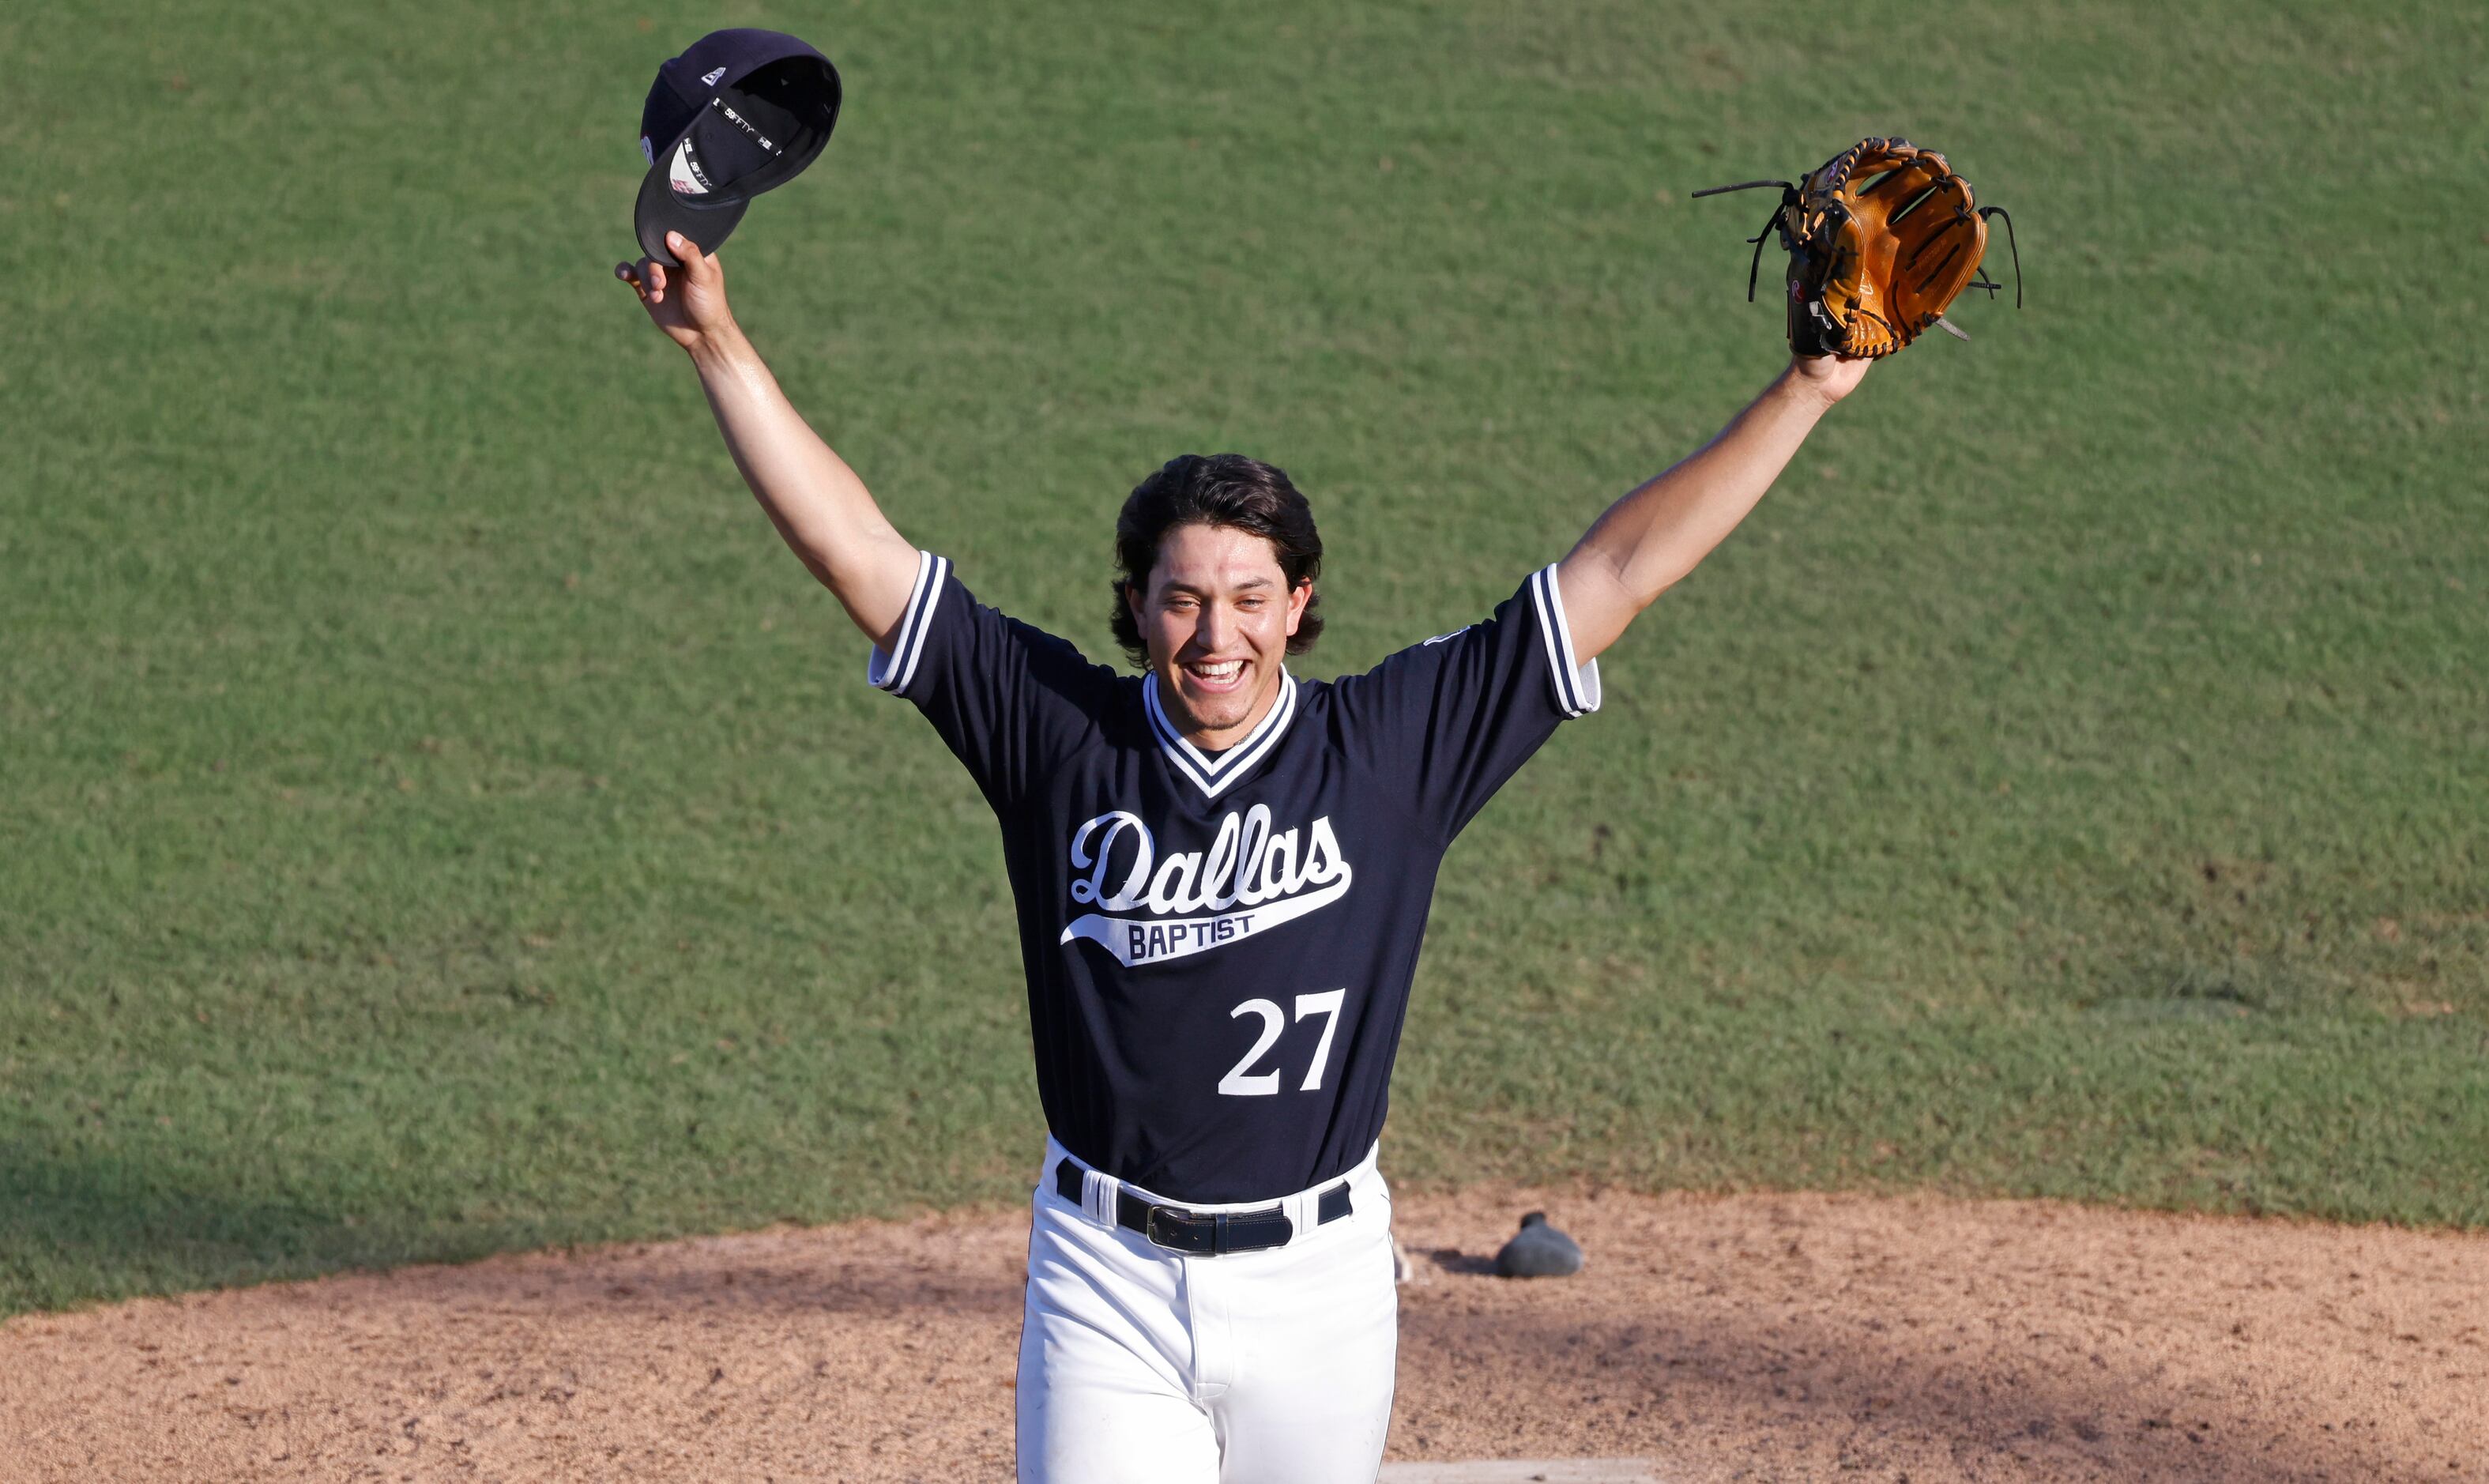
(698, 266)
(647, 276)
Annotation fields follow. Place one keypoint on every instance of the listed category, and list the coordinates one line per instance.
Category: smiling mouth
(1215, 674)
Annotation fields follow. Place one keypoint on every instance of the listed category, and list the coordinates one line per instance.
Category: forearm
(1653, 537)
(826, 515)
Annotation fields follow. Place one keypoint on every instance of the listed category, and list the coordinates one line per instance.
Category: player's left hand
(688, 302)
(1830, 377)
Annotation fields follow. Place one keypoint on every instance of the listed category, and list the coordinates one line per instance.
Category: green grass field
(440, 817)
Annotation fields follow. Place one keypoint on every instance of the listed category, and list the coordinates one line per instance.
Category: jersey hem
(1098, 1189)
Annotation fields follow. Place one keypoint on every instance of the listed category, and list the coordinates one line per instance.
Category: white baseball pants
(1145, 1365)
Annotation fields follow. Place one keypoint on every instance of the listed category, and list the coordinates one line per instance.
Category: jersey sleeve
(1445, 723)
(1008, 697)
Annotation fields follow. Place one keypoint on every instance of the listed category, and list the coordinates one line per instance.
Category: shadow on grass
(77, 1233)
(80, 1230)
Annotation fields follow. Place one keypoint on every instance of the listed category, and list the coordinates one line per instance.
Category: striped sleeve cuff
(893, 672)
(1577, 684)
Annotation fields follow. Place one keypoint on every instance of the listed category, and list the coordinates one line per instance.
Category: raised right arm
(824, 512)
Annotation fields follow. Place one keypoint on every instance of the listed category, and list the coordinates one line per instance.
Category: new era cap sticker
(710, 80)
(683, 173)
(749, 132)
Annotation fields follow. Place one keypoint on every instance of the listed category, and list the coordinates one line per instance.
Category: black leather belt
(1205, 1232)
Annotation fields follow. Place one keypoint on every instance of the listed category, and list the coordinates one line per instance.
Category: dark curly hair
(1219, 489)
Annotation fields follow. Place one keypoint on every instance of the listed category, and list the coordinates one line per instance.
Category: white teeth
(1221, 670)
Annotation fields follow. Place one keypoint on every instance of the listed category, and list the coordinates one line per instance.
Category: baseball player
(1222, 875)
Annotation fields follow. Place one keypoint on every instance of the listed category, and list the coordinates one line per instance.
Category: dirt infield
(1750, 1337)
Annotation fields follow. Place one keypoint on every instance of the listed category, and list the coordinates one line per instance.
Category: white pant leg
(1144, 1365)
(1315, 1332)
(1106, 1359)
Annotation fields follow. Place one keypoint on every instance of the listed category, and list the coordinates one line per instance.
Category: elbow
(1637, 587)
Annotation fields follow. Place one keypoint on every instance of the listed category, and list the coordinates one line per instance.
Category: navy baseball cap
(738, 113)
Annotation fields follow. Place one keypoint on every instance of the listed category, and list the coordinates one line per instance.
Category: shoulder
(1019, 642)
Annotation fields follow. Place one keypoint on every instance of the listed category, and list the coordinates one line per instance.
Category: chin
(1226, 715)
(1214, 713)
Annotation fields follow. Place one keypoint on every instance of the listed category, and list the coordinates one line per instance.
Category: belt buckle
(1150, 1228)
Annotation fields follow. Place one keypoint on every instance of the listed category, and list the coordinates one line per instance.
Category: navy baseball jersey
(1220, 946)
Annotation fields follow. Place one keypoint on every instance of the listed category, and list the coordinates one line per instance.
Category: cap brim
(661, 209)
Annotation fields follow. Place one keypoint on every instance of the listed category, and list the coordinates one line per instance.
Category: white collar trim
(1215, 776)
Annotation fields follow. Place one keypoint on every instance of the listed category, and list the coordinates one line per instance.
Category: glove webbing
(1982, 282)
(1788, 198)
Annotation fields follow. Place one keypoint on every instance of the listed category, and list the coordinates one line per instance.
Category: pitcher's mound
(1751, 1337)
(1547, 1471)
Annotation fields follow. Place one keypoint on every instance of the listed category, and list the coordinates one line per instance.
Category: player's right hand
(687, 303)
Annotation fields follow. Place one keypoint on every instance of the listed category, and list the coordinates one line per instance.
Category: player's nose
(1217, 627)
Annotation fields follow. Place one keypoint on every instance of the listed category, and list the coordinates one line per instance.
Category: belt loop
(1097, 1198)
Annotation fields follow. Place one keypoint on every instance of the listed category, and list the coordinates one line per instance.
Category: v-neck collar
(1215, 776)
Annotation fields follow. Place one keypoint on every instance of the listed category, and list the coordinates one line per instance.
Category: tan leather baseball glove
(1881, 238)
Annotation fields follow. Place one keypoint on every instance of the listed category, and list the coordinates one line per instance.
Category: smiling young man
(1222, 875)
(1210, 607)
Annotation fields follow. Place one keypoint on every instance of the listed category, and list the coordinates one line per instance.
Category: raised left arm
(1653, 537)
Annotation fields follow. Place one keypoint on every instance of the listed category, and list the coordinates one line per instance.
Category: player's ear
(1297, 601)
